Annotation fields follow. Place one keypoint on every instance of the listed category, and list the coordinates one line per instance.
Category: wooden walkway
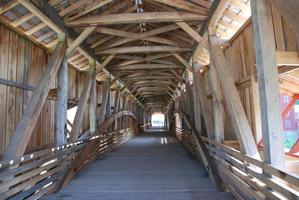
(150, 166)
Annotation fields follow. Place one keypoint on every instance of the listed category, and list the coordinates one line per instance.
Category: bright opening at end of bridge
(158, 120)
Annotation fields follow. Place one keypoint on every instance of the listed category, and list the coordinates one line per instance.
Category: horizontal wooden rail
(35, 174)
(246, 176)
(144, 125)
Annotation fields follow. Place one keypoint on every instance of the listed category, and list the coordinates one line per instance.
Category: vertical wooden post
(108, 103)
(61, 104)
(189, 95)
(196, 106)
(115, 107)
(218, 108)
(104, 101)
(257, 110)
(200, 86)
(116, 101)
(268, 82)
(123, 107)
(93, 101)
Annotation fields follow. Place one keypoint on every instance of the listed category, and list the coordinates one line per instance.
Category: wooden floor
(151, 166)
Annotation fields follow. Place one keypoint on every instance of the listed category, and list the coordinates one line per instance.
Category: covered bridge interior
(81, 79)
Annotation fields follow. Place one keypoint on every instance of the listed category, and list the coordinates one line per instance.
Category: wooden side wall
(23, 62)
(241, 58)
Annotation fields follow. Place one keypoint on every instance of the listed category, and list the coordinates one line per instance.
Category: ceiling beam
(87, 32)
(149, 66)
(127, 18)
(142, 49)
(184, 5)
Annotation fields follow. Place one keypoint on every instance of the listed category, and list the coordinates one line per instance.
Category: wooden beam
(73, 7)
(103, 108)
(218, 104)
(149, 66)
(93, 101)
(85, 93)
(116, 101)
(35, 28)
(126, 18)
(176, 75)
(108, 102)
(265, 52)
(61, 103)
(287, 58)
(200, 87)
(197, 108)
(22, 19)
(145, 59)
(25, 126)
(93, 5)
(16, 84)
(104, 64)
(184, 5)
(87, 32)
(142, 49)
(183, 61)
(190, 32)
(234, 106)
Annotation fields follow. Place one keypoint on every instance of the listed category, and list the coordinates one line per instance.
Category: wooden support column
(106, 90)
(108, 104)
(26, 124)
(218, 104)
(82, 106)
(189, 95)
(61, 104)
(124, 103)
(116, 101)
(93, 101)
(115, 107)
(196, 107)
(232, 99)
(257, 110)
(200, 86)
(265, 52)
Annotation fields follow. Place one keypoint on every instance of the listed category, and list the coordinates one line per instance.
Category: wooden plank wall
(241, 58)
(24, 62)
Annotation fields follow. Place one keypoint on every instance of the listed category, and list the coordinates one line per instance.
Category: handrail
(81, 160)
(247, 175)
(206, 157)
(35, 174)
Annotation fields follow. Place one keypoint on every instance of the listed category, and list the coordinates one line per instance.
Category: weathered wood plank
(61, 104)
(265, 52)
(93, 102)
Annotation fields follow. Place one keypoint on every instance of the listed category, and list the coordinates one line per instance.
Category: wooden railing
(245, 177)
(35, 174)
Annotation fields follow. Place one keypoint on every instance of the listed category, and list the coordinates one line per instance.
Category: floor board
(151, 166)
